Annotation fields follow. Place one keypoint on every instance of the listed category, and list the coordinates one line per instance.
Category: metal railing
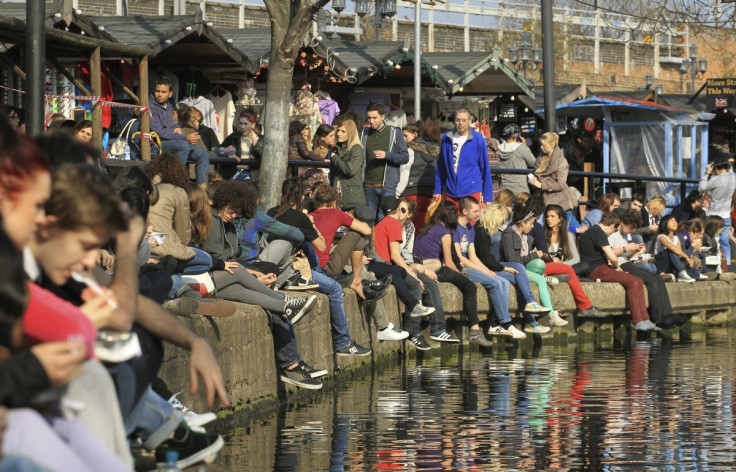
(610, 180)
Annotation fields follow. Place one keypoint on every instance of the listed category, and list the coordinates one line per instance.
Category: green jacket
(347, 171)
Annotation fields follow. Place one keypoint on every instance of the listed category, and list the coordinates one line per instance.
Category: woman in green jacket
(347, 165)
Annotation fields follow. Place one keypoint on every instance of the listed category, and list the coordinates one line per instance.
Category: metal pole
(418, 60)
(548, 56)
(378, 20)
(35, 66)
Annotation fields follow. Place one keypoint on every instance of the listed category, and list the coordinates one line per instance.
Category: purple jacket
(162, 122)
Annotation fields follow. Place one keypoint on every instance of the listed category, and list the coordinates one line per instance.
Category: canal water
(656, 404)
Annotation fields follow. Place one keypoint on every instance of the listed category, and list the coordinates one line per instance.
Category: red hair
(20, 161)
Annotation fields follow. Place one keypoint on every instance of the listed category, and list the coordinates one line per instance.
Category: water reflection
(652, 405)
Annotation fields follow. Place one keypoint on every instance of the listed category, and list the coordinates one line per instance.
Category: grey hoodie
(515, 156)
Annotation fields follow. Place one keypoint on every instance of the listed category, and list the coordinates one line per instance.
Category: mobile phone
(158, 237)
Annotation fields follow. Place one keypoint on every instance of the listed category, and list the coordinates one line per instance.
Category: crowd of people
(408, 207)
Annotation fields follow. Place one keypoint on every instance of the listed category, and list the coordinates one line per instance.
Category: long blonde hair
(552, 139)
(199, 211)
(493, 217)
(352, 130)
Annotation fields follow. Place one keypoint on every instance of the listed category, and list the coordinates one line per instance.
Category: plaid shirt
(494, 160)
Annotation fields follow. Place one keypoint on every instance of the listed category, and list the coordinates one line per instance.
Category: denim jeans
(431, 297)
(373, 196)
(520, 281)
(668, 261)
(184, 151)
(284, 341)
(333, 290)
(498, 293)
(199, 264)
(724, 237)
(154, 418)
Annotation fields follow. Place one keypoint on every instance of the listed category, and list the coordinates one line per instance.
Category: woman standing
(347, 165)
(550, 173)
(299, 151)
(324, 140)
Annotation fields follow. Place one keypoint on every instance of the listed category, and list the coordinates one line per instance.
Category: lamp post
(693, 66)
(384, 9)
(528, 53)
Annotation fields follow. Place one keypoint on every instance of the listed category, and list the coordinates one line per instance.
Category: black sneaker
(298, 282)
(315, 373)
(298, 307)
(354, 349)
(419, 342)
(300, 377)
(193, 447)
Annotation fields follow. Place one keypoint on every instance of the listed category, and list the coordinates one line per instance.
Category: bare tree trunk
(290, 21)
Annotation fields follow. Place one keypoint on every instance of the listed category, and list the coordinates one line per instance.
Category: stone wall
(244, 346)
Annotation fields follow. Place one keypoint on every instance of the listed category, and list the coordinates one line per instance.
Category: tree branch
(299, 25)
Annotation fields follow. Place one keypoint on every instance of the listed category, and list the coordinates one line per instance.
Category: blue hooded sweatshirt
(473, 173)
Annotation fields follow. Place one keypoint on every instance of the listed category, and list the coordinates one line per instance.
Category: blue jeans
(724, 238)
(153, 418)
(333, 290)
(199, 264)
(184, 151)
(284, 340)
(524, 293)
(498, 293)
(373, 196)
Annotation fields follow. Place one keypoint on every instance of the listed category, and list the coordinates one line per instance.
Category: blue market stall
(644, 138)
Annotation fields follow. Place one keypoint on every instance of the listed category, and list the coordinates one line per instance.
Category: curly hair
(229, 193)
(324, 195)
(169, 169)
(249, 195)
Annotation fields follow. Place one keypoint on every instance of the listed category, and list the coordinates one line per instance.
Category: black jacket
(483, 249)
(21, 377)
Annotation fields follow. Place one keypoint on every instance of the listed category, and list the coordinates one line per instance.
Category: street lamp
(361, 7)
(528, 53)
(339, 5)
(696, 68)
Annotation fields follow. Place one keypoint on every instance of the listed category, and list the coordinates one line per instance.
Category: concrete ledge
(244, 346)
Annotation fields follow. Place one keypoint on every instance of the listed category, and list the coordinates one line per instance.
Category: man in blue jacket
(172, 140)
(384, 150)
(462, 167)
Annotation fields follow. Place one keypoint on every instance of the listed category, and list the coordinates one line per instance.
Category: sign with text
(720, 93)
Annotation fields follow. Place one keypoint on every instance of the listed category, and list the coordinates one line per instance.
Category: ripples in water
(654, 405)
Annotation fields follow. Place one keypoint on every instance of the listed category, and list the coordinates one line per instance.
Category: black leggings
(382, 269)
(468, 289)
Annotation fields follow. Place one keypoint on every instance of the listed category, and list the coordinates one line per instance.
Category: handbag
(300, 262)
(117, 150)
(432, 264)
(201, 283)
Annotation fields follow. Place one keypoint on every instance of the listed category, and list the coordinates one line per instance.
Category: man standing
(462, 168)
(172, 139)
(384, 150)
(720, 181)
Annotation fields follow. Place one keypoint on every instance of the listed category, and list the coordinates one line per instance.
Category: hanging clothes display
(225, 109)
(107, 93)
(306, 110)
(207, 108)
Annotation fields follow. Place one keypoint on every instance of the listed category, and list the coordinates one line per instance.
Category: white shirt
(457, 145)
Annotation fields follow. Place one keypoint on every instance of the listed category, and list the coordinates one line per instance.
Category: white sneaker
(516, 333)
(391, 333)
(498, 331)
(556, 320)
(193, 419)
(684, 277)
(551, 280)
(702, 277)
